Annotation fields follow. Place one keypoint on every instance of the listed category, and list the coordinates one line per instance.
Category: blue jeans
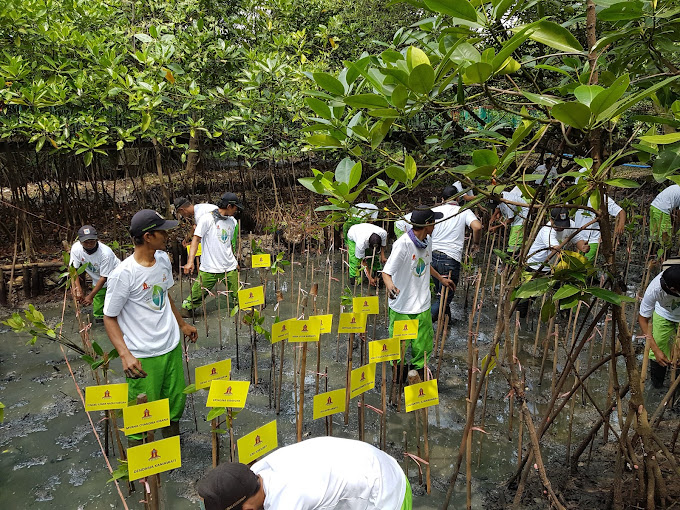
(443, 264)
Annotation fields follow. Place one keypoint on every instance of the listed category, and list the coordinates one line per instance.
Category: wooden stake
(215, 442)
(350, 348)
(152, 497)
(301, 400)
(383, 416)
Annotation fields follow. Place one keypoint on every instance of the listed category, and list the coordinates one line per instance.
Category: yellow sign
(280, 331)
(325, 322)
(260, 441)
(362, 380)
(228, 394)
(328, 403)
(419, 396)
(404, 330)
(106, 396)
(149, 416)
(207, 373)
(261, 260)
(303, 331)
(352, 323)
(367, 304)
(384, 350)
(155, 457)
(247, 298)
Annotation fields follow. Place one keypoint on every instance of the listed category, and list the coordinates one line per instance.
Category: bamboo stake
(553, 382)
(441, 346)
(152, 501)
(303, 369)
(203, 306)
(191, 395)
(512, 362)
(350, 346)
(219, 310)
(383, 416)
(232, 441)
(215, 443)
(538, 328)
(545, 349)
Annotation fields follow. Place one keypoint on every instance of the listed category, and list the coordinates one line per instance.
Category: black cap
(228, 486)
(671, 277)
(424, 216)
(181, 202)
(229, 199)
(450, 191)
(147, 220)
(87, 233)
(560, 217)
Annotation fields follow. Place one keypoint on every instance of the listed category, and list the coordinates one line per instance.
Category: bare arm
(661, 358)
(620, 222)
(392, 290)
(187, 329)
(446, 282)
(189, 268)
(131, 365)
(100, 285)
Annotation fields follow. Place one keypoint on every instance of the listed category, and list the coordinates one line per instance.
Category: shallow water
(50, 458)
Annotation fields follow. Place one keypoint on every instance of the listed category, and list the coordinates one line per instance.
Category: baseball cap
(560, 217)
(450, 191)
(181, 202)
(228, 486)
(230, 199)
(147, 220)
(86, 233)
(424, 216)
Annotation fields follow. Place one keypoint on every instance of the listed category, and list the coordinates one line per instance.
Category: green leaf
(532, 288)
(415, 57)
(509, 66)
(399, 96)
(595, 199)
(366, 101)
(319, 107)
(191, 388)
(410, 168)
(421, 79)
(565, 291)
(572, 114)
(146, 121)
(556, 36)
(145, 38)
(510, 46)
(97, 348)
(667, 163)
(461, 9)
(329, 83)
(548, 311)
(622, 11)
(586, 93)
(622, 183)
(384, 113)
(609, 96)
(661, 139)
(343, 170)
(87, 157)
(320, 140)
(609, 296)
(215, 412)
(484, 157)
(397, 173)
(478, 72)
(541, 99)
(624, 104)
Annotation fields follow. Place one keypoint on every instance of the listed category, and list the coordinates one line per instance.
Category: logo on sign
(405, 327)
(354, 320)
(304, 327)
(147, 414)
(107, 394)
(330, 401)
(421, 393)
(257, 440)
(384, 347)
(154, 454)
(283, 328)
(363, 376)
(228, 392)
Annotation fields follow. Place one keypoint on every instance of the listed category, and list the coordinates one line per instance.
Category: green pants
(660, 225)
(664, 332)
(423, 342)
(206, 282)
(516, 236)
(592, 252)
(408, 497)
(98, 304)
(355, 263)
(164, 379)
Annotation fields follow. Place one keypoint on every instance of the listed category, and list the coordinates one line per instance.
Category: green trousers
(408, 497)
(423, 342)
(592, 252)
(355, 263)
(98, 304)
(206, 282)
(660, 224)
(515, 238)
(664, 332)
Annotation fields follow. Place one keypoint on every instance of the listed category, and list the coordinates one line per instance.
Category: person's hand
(189, 267)
(447, 282)
(618, 230)
(373, 282)
(77, 292)
(392, 290)
(189, 332)
(661, 358)
(132, 367)
(474, 249)
(87, 300)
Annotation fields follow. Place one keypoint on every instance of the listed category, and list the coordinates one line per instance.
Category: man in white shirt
(459, 195)
(588, 239)
(407, 279)
(317, 474)
(661, 303)
(142, 321)
(660, 226)
(546, 246)
(99, 261)
(186, 209)
(514, 214)
(362, 240)
(218, 232)
(448, 238)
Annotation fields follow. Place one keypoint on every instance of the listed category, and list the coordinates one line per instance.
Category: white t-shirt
(327, 473)
(659, 301)
(546, 239)
(360, 233)
(216, 237)
(409, 268)
(403, 224)
(591, 234)
(201, 209)
(100, 263)
(668, 199)
(138, 297)
(449, 232)
(365, 210)
(459, 186)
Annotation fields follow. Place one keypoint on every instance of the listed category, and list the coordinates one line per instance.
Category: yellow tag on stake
(368, 304)
(384, 350)
(228, 394)
(261, 260)
(207, 373)
(106, 396)
(352, 323)
(362, 379)
(280, 331)
(405, 330)
(325, 322)
(260, 441)
(149, 416)
(247, 298)
(419, 396)
(328, 403)
(155, 457)
(303, 331)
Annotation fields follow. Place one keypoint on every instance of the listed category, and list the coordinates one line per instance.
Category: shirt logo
(145, 286)
(419, 270)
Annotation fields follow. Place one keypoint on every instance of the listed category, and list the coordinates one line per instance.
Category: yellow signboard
(367, 304)
(405, 330)
(207, 373)
(261, 260)
(247, 298)
(362, 380)
(419, 396)
(149, 416)
(106, 396)
(352, 323)
(280, 331)
(328, 403)
(155, 457)
(325, 322)
(303, 331)
(260, 441)
(384, 350)
(228, 394)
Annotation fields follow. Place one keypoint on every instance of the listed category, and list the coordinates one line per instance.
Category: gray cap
(87, 233)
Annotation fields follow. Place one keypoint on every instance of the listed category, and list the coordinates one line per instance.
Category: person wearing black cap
(142, 321)
(661, 303)
(407, 279)
(316, 474)
(218, 233)
(549, 239)
(361, 238)
(186, 209)
(99, 261)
